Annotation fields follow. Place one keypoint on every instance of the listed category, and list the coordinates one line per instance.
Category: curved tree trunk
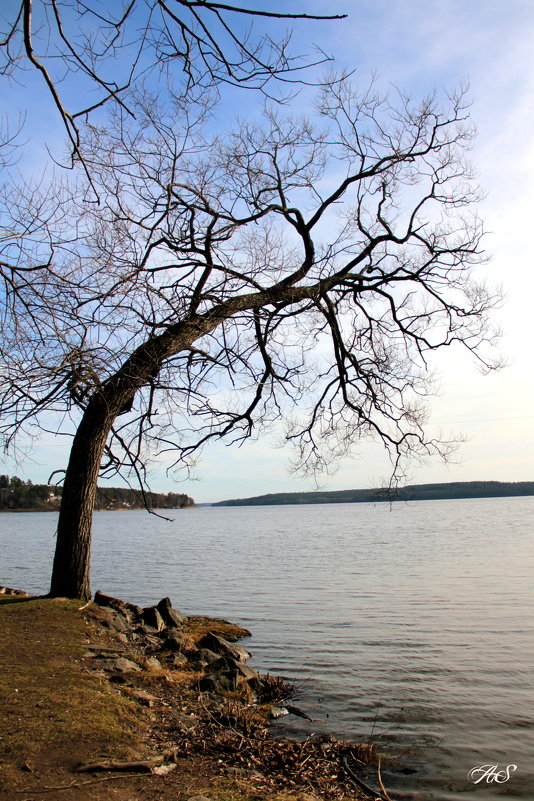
(70, 573)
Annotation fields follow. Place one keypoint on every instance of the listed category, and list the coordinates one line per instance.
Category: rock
(108, 600)
(153, 618)
(105, 654)
(225, 681)
(123, 665)
(137, 611)
(140, 695)
(209, 657)
(152, 640)
(11, 591)
(227, 663)
(172, 631)
(246, 672)
(172, 644)
(113, 619)
(171, 617)
(152, 663)
(119, 623)
(255, 684)
(221, 646)
(176, 660)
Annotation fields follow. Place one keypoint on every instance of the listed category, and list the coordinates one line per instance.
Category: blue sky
(418, 46)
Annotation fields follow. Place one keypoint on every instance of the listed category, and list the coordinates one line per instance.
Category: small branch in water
(359, 783)
(381, 783)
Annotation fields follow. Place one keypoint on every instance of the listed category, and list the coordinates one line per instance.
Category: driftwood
(143, 765)
(294, 710)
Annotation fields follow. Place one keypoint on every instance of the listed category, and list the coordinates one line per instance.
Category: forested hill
(18, 494)
(415, 492)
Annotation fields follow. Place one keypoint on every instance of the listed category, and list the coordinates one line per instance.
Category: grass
(56, 715)
(50, 707)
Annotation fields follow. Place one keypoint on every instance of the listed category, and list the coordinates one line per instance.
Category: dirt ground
(146, 735)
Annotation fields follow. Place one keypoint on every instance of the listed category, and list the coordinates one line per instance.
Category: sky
(418, 46)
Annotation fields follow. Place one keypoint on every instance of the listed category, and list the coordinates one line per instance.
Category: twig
(83, 784)
(380, 781)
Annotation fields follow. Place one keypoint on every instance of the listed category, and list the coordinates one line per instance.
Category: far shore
(111, 509)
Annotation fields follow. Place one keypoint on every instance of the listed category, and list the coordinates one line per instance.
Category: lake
(410, 625)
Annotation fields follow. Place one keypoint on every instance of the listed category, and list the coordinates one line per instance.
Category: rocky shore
(205, 712)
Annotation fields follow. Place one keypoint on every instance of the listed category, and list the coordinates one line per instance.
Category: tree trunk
(70, 573)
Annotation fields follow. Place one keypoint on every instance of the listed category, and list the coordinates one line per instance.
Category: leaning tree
(297, 272)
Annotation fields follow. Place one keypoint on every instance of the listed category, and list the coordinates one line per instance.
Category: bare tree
(298, 269)
(100, 53)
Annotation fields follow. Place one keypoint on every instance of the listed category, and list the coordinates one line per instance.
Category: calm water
(410, 625)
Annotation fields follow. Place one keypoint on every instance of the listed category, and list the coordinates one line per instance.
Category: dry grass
(57, 715)
(197, 627)
(50, 708)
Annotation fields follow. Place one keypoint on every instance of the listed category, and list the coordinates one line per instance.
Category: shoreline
(34, 510)
(207, 711)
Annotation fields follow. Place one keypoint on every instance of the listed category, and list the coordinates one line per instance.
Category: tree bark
(71, 569)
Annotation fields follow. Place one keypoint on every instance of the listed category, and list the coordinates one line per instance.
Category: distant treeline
(415, 492)
(18, 494)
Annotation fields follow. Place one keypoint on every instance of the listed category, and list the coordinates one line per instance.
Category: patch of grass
(197, 627)
(50, 708)
(227, 790)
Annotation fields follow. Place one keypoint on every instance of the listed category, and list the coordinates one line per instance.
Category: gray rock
(113, 619)
(137, 611)
(119, 623)
(152, 663)
(209, 658)
(119, 664)
(222, 663)
(153, 640)
(172, 644)
(247, 673)
(172, 631)
(225, 681)
(151, 617)
(171, 617)
(176, 660)
(123, 665)
(227, 663)
(221, 646)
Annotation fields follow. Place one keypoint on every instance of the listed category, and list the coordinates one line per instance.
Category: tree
(102, 54)
(298, 268)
